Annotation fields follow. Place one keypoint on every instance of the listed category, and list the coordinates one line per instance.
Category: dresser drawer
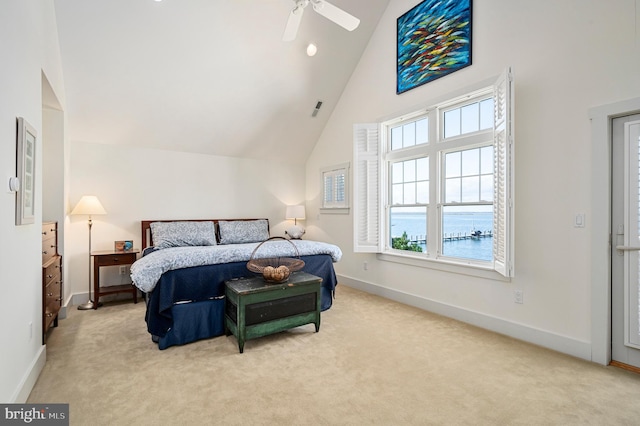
(51, 269)
(52, 292)
(49, 250)
(49, 231)
(49, 240)
(52, 301)
(115, 259)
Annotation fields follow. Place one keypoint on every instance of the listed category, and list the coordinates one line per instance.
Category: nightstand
(112, 258)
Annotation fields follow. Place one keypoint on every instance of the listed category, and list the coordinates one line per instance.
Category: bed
(185, 264)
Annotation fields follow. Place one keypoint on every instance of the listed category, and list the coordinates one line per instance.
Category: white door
(625, 235)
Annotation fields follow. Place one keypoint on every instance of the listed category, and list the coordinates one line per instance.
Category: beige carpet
(374, 361)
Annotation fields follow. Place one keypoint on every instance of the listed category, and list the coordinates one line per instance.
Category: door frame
(601, 145)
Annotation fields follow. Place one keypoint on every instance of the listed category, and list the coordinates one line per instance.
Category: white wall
(568, 57)
(137, 184)
(28, 46)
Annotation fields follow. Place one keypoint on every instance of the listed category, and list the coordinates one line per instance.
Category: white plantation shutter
(341, 191)
(503, 175)
(366, 171)
(328, 190)
(335, 188)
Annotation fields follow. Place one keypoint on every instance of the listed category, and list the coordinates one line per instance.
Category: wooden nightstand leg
(96, 285)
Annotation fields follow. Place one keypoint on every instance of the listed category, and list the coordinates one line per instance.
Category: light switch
(579, 221)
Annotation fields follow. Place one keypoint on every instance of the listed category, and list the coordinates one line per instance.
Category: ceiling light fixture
(312, 49)
(322, 7)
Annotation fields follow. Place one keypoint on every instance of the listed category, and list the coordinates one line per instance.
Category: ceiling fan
(324, 8)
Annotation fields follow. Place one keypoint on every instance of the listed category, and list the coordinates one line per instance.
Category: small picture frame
(125, 245)
(26, 170)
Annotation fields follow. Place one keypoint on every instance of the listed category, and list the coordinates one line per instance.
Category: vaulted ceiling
(205, 76)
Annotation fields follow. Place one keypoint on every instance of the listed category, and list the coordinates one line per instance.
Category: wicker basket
(275, 269)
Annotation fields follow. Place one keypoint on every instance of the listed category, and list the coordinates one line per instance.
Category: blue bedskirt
(171, 322)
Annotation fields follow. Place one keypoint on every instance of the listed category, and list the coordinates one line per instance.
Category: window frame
(441, 203)
(500, 135)
(335, 207)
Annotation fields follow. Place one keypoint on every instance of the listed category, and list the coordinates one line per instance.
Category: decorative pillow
(243, 231)
(179, 234)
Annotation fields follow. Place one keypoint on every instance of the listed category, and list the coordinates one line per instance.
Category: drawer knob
(50, 294)
(50, 276)
(45, 252)
(44, 232)
(49, 314)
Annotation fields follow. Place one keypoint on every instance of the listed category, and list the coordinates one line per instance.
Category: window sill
(470, 269)
(334, 210)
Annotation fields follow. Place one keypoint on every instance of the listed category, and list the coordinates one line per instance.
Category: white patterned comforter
(146, 271)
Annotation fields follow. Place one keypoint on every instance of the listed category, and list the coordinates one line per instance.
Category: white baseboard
(78, 299)
(556, 342)
(31, 376)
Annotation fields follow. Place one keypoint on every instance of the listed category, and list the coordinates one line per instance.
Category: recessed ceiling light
(312, 49)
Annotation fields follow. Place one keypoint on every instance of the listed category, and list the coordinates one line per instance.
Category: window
(436, 185)
(335, 187)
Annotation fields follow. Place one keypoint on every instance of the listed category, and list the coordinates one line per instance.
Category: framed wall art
(26, 168)
(434, 39)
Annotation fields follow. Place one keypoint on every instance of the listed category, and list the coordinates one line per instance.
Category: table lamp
(295, 213)
(88, 205)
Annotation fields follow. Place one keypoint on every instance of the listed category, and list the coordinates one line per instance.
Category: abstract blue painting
(434, 39)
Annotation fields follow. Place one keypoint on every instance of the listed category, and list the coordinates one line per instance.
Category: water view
(466, 234)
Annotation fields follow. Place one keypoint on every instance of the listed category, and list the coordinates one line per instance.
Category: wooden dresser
(51, 277)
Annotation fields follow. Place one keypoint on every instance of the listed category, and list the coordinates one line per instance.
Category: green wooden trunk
(255, 308)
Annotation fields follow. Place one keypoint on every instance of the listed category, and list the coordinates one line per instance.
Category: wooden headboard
(147, 238)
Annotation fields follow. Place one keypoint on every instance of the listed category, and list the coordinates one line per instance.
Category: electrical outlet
(123, 270)
(518, 296)
(365, 265)
(30, 330)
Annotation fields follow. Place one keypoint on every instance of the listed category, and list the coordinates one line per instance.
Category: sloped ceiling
(205, 76)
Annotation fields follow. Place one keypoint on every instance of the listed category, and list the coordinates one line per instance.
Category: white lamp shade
(89, 205)
(295, 212)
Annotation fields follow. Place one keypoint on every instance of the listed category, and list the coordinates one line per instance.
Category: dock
(422, 239)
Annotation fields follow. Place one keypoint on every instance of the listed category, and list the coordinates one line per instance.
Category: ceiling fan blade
(335, 14)
(293, 23)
